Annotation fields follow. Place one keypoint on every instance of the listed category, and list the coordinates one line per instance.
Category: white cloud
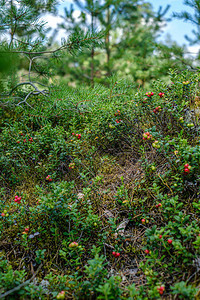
(76, 14)
(193, 50)
(53, 21)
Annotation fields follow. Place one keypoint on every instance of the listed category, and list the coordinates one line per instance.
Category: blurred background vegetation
(130, 46)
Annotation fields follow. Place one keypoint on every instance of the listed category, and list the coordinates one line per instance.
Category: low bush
(100, 193)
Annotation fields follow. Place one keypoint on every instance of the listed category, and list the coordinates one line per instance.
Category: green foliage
(129, 46)
(84, 187)
(183, 291)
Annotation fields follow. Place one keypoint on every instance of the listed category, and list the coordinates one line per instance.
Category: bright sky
(176, 28)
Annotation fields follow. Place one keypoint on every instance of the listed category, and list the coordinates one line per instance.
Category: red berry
(161, 289)
(117, 254)
(152, 93)
(18, 142)
(186, 170)
(50, 179)
(146, 251)
(26, 229)
(169, 241)
(114, 253)
(186, 165)
(160, 236)
(159, 204)
(143, 221)
(161, 94)
(3, 215)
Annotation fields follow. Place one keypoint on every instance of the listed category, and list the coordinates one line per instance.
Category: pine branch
(75, 42)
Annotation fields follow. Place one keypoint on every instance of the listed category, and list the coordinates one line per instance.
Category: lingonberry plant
(99, 189)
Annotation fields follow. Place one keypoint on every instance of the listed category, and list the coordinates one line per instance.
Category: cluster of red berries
(18, 199)
(26, 230)
(73, 245)
(160, 237)
(147, 136)
(117, 113)
(48, 178)
(118, 121)
(5, 213)
(158, 205)
(30, 140)
(187, 168)
(61, 295)
(72, 165)
(115, 254)
(78, 135)
(161, 94)
(157, 109)
(186, 82)
(161, 289)
(149, 94)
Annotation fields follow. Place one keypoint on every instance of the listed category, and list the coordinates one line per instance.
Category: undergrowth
(100, 193)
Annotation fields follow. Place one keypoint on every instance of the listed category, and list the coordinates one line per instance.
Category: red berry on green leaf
(161, 289)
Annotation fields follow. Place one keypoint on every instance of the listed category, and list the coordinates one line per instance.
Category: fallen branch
(21, 285)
